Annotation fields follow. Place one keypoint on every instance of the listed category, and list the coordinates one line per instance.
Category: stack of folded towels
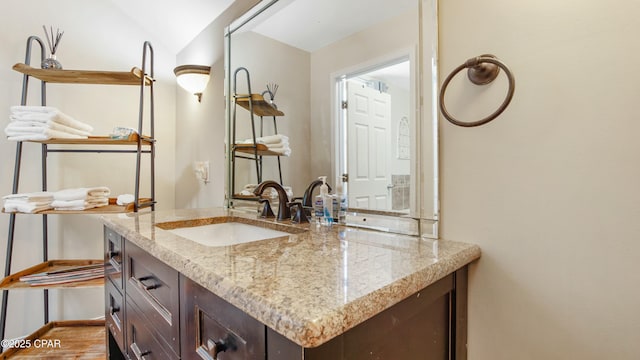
(81, 198)
(269, 193)
(68, 199)
(28, 202)
(39, 123)
(276, 143)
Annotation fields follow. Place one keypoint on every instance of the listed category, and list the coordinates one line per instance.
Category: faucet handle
(300, 216)
(266, 209)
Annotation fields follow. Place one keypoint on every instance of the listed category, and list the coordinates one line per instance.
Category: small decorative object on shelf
(53, 41)
(272, 88)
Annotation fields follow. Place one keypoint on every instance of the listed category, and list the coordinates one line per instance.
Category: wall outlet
(201, 169)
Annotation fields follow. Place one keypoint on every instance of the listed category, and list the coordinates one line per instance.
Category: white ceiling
(312, 24)
(306, 24)
(175, 22)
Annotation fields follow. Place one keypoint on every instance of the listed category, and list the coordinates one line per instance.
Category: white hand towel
(46, 134)
(272, 139)
(26, 206)
(45, 113)
(22, 127)
(35, 196)
(26, 108)
(82, 193)
(79, 204)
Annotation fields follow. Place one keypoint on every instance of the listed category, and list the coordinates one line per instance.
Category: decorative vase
(51, 63)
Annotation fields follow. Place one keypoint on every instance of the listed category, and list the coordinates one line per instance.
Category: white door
(368, 146)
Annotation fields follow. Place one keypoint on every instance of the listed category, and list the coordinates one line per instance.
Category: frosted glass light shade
(193, 78)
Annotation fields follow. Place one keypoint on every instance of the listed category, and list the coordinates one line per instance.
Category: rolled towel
(82, 193)
(125, 199)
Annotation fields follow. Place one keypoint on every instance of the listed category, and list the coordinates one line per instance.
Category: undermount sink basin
(221, 231)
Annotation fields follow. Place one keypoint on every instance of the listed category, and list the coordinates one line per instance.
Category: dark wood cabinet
(161, 314)
(212, 328)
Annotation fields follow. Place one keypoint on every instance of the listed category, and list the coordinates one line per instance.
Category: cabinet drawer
(113, 246)
(114, 313)
(212, 325)
(154, 287)
(142, 343)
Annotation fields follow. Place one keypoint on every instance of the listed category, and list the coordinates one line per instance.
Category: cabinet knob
(216, 347)
(113, 309)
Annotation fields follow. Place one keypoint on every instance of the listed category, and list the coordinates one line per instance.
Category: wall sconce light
(193, 78)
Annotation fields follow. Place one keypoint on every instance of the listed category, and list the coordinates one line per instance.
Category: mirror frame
(425, 222)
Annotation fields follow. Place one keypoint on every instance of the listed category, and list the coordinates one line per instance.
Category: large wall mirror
(341, 83)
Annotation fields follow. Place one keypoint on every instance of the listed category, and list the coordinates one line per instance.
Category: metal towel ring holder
(482, 70)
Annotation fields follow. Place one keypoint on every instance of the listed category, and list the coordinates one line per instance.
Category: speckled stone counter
(309, 286)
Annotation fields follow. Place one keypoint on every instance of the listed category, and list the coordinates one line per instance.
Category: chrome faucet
(283, 200)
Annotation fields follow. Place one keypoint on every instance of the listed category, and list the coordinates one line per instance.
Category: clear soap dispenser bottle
(324, 204)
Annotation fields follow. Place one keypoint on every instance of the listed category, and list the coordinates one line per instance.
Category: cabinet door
(114, 314)
(154, 287)
(213, 328)
(142, 343)
(113, 250)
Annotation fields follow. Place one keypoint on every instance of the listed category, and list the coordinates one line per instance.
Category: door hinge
(345, 178)
(344, 105)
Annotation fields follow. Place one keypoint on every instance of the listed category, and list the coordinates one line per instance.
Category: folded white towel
(26, 207)
(27, 108)
(268, 140)
(82, 193)
(35, 197)
(44, 114)
(81, 204)
(272, 139)
(281, 151)
(46, 134)
(25, 127)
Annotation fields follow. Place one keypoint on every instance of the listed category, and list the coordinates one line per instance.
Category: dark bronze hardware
(481, 70)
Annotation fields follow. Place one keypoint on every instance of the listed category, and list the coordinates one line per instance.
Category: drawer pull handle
(140, 355)
(113, 309)
(112, 254)
(211, 350)
(145, 286)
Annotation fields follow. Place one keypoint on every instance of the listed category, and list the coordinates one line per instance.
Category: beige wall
(97, 36)
(270, 61)
(200, 127)
(549, 190)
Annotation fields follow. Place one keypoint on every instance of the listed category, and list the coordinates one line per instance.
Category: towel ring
(482, 70)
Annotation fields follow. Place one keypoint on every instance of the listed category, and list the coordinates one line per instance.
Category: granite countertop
(309, 286)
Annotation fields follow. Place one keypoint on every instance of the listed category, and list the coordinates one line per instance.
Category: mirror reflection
(338, 82)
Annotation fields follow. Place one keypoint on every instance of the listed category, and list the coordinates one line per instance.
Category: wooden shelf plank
(98, 140)
(13, 281)
(132, 77)
(262, 150)
(71, 339)
(112, 208)
(260, 106)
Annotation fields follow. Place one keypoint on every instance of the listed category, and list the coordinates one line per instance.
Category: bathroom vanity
(307, 293)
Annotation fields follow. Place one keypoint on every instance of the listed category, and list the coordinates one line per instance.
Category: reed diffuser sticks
(53, 41)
